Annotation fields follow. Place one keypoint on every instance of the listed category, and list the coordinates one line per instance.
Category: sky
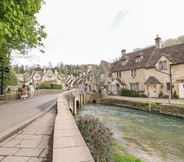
(88, 31)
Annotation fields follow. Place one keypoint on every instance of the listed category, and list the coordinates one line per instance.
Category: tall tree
(19, 28)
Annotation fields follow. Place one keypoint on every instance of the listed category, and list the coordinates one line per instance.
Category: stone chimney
(44, 71)
(158, 42)
(123, 52)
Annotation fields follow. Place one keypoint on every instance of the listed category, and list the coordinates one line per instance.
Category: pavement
(160, 100)
(31, 143)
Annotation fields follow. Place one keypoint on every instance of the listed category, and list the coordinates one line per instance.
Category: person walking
(24, 91)
(31, 89)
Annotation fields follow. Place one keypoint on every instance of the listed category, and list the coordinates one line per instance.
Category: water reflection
(154, 138)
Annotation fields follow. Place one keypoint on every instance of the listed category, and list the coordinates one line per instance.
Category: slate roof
(153, 79)
(120, 82)
(151, 55)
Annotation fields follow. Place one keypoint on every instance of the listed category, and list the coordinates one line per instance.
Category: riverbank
(161, 106)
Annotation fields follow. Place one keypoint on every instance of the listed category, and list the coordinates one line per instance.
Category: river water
(151, 137)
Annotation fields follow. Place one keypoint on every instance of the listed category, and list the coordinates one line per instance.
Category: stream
(150, 137)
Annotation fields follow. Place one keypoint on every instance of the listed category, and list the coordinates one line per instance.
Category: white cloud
(88, 31)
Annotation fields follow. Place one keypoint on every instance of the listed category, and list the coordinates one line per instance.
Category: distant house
(37, 77)
(90, 78)
(20, 77)
(151, 71)
(103, 76)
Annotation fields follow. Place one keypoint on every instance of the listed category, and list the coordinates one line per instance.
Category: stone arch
(77, 104)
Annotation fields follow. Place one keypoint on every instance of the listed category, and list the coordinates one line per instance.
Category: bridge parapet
(68, 144)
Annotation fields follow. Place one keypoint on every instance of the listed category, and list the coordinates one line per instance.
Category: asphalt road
(15, 112)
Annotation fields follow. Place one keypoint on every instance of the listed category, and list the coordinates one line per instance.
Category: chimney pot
(123, 52)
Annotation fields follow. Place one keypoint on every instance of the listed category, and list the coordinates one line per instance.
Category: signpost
(6, 69)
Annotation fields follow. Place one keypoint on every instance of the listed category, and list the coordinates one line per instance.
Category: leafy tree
(19, 28)
(10, 79)
(45, 85)
(22, 71)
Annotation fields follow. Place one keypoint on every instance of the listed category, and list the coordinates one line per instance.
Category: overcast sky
(88, 31)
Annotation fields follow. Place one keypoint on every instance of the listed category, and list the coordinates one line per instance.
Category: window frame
(163, 65)
(133, 73)
(138, 59)
(134, 86)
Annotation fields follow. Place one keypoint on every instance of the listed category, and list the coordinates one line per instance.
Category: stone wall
(125, 103)
(161, 109)
(13, 96)
(172, 110)
(92, 96)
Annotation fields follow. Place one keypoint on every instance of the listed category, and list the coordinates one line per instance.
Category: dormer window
(138, 59)
(163, 65)
(123, 62)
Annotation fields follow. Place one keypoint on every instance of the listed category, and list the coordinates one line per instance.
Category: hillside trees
(19, 29)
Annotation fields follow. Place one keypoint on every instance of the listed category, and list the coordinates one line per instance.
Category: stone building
(152, 71)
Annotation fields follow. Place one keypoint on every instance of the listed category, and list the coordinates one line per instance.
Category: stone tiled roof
(120, 82)
(150, 56)
(153, 79)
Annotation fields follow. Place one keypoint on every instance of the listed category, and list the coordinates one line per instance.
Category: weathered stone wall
(124, 103)
(92, 96)
(172, 110)
(13, 96)
(161, 109)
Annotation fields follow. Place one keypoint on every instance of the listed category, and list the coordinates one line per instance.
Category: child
(31, 89)
(24, 91)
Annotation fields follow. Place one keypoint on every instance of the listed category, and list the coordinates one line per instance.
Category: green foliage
(56, 86)
(121, 155)
(45, 85)
(99, 90)
(19, 28)
(154, 104)
(144, 103)
(174, 95)
(94, 90)
(97, 137)
(9, 90)
(130, 93)
(19, 89)
(10, 79)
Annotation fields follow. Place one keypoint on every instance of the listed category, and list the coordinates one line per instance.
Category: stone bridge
(68, 143)
(77, 98)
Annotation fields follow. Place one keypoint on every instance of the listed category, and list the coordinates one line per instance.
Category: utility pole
(170, 77)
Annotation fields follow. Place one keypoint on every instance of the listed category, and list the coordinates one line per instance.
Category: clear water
(151, 137)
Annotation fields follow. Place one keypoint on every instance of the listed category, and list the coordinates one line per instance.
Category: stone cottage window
(138, 59)
(134, 86)
(118, 74)
(133, 73)
(37, 77)
(163, 65)
(49, 78)
(123, 62)
(102, 76)
(113, 87)
(168, 86)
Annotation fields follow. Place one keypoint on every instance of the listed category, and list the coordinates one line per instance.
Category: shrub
(19, 89)
(45, 85)
(97, 137)
(154, 104)
(56, 86)
(144, 103)
(8, 90)
(129, 93)
(174, 95)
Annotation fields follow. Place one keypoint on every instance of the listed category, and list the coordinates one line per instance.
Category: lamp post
(2, 74)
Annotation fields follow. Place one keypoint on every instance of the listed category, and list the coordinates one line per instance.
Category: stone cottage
(152, 71)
